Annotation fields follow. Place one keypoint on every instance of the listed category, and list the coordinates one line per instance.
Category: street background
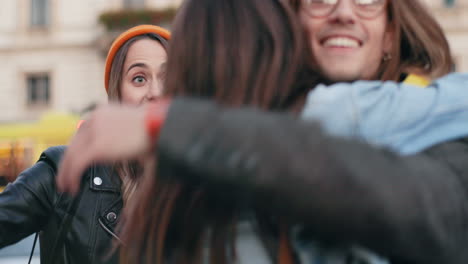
(52, 55)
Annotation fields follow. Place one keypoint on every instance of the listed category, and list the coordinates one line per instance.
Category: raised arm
(410, 209)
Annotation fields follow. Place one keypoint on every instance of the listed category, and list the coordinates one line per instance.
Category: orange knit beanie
(124, 37)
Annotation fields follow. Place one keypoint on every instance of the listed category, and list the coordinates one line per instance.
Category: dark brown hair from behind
(249, 53)
(242, 52)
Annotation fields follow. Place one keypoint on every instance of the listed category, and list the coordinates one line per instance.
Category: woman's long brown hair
(419, 41)
(237, 52)
(128, 172)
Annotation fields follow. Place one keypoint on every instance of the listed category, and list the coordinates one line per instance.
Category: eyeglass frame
(355, 6)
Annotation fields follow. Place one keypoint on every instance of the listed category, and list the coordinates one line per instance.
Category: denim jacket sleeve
(404, 118)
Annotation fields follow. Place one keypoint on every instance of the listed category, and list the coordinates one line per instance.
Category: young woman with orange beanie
(81, 230)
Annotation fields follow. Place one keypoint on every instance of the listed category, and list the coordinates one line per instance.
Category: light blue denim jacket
(407, 119)
(404, 118)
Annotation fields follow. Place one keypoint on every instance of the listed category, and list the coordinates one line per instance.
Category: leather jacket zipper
(109, 231)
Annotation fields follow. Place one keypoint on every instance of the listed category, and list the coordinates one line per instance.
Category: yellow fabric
(52, 129)
(417, 80)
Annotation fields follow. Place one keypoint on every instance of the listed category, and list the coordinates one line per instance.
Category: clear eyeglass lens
(364, 8)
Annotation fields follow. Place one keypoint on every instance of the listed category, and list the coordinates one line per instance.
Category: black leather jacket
(72, 230)
(411, 210)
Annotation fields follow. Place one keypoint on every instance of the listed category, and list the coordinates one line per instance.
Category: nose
(155, 90)
(343, 13)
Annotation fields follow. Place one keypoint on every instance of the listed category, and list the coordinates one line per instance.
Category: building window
(134, 4)
(39, 13)
(38, 90)
(449, 3)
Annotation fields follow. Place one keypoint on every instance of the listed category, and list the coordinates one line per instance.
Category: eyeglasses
(363, 8)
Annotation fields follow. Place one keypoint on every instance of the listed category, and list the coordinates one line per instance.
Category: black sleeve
(410, 209)
(27, 203)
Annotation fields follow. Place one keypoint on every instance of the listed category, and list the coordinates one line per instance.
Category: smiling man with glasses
(374, 39)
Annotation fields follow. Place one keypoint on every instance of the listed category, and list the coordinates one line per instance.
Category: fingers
(85, 148)
(112, 133)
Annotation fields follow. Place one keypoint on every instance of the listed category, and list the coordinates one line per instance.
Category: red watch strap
(154, 119)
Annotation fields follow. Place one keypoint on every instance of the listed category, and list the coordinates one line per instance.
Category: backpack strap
(32, 249)
(52, 156)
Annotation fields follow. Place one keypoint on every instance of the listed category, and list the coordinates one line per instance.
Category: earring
(387, 56)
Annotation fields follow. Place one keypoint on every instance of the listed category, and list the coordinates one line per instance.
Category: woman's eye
(139, 79)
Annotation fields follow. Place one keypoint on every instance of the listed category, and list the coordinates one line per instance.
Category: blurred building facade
(51, 56)
(453, 17)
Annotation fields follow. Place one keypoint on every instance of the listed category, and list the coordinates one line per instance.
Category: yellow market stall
(21, 143)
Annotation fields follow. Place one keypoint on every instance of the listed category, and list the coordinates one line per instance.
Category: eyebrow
(137, 65)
